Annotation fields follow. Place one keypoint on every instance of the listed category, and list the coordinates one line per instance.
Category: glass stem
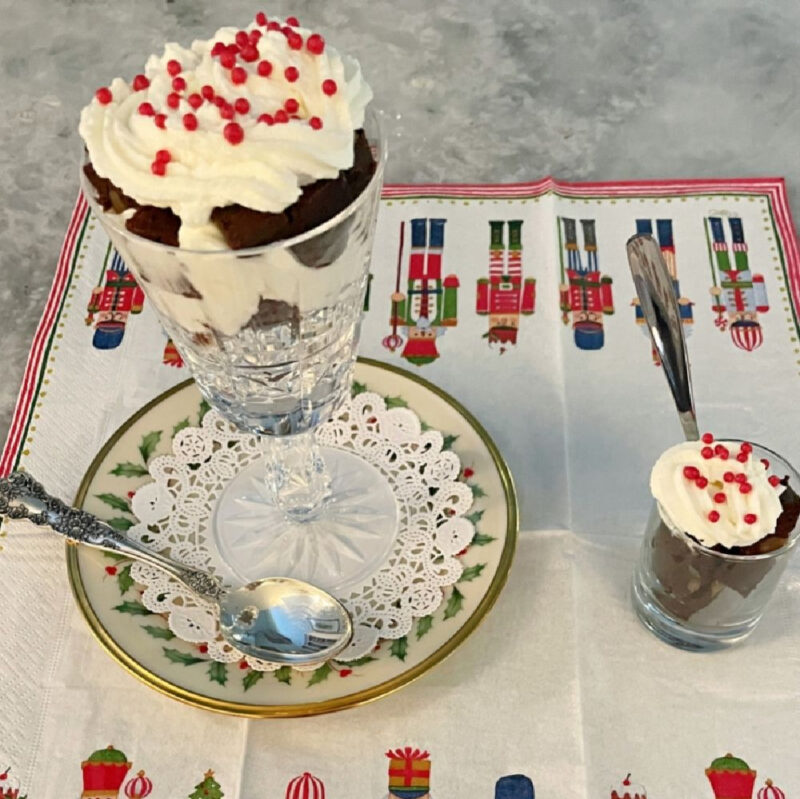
(296, 475)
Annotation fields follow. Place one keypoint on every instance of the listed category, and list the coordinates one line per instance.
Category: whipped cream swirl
(263, 165)
(712, 506)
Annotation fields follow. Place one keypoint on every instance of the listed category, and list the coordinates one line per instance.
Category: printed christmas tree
(209, 788)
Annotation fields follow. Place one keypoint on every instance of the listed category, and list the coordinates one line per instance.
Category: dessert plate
(143, 643)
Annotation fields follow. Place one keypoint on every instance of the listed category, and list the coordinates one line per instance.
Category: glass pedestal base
(351, 537)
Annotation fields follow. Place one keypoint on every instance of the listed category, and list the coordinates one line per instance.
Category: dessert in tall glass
(239, 179)
(722, 529)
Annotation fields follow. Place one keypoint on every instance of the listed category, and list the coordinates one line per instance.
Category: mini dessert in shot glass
(723, 526)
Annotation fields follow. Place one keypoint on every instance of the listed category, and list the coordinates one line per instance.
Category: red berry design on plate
(243, 665)
(111, 570)
(291, 74)
(345, 672)
(203, 648)
(190, 121)
(329, 87)
(315, 44)
(174, 67)
(104, 96)
(470, 472)
(241, 105)
(707, 438)
(264, 69)
(140, 83)
(233, 133)
(713, 516)
(131, 494)
(238, 75)
(750, 518)
(315, 122)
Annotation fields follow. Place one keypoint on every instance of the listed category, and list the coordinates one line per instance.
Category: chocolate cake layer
(243, 227)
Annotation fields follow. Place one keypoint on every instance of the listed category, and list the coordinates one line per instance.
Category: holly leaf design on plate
(251, 678)
(395, 402)
(114, 556)
(120, 523)
(399, 648)
(148, 444)
(358, 388)
(424, 626)
(128, 469)
(477, 491)
(283, 674)
(204, 409)
(113, 501)
(124, 580)
(448, 442)
(351, 664)
(475, 516)
(133, 608)
(471, 573)
(182, 425)
(321, 674)
(455, 604)
(159, 632)
(218, 672)
(481, 539)
(176, 656)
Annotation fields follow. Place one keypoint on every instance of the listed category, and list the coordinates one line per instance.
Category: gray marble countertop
(475, 92)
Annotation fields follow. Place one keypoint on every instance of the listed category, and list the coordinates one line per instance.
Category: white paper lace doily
(174, 513)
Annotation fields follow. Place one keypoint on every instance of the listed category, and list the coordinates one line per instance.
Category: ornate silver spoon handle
(656, 291)
(22, 497)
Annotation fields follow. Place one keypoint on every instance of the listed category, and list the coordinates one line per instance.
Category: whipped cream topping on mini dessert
(717, 491)
(247, 117)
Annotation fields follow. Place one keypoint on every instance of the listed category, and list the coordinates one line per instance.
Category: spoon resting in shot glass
(277, 619)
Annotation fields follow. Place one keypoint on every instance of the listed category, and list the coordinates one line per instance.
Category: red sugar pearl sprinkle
(728, 477)
(158, 168)
(691, 472)
(291, 105)
(220, 101)
(281, 116)
(179, 84)
(174, 67)
(140, 83)
(746, 447)
(190, 121)
(163, 156)
(194, 100)
(264, 69)
(774, 480)
(173, 100)
(750, 518)
(267, 119)
(707, 438)
(160, 120)
(273, 26)
(745, 488)
(261, 18)
(315, 44)
(329, 87)
(207, 92)
(765, 462)
(228, 60)
(295, 41)
(249, 53)
(719, 497)
(242, 38)
(146, 109)
(255, 36)
(238, 75)
(741, 477)
(701, 482)
(713, 516)
(291, 74)
(241, 105)
(233, 133)
(293, 22)
(707, 453)
(104, 96)
(217, 49)
(315, 122)
(721, 451)
(742, 457)
(226, 111)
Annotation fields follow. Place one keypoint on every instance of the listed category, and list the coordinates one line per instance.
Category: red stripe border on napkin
(773, 188)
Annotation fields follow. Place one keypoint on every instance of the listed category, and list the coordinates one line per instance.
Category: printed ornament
(103, 773)
(628, 790)
(409, 773)
(514, 786)
(769, 791)
(306, 786)
(209, 788)
(138, 787)
(9, 785)
(731, 778)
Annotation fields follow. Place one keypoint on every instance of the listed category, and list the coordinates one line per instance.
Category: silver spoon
(277, 619)
(660, 308)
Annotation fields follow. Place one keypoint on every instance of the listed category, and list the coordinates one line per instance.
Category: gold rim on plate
(163, 686)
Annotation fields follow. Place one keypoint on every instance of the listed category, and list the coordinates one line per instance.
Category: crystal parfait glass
(270, 335)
